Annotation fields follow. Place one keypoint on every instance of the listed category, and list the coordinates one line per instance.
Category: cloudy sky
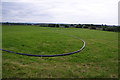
(61, 11)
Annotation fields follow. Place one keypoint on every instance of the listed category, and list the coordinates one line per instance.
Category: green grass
(99, 59)
(0, 52)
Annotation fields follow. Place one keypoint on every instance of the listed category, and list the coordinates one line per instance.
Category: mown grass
(99, 59)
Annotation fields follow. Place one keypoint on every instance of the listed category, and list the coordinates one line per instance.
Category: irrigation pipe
(65, 54)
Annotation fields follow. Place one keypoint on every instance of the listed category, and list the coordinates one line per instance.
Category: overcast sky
(61, 11)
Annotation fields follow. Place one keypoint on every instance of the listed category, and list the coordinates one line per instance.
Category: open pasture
(99, 59)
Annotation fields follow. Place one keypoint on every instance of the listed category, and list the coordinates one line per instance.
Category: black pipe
(48, 55)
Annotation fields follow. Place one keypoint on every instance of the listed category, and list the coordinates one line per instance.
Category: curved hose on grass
(48, 55)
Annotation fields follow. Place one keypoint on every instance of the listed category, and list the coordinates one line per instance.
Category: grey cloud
(71, 11)
(23, 11)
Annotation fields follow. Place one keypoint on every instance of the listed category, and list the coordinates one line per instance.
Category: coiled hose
(48, 55)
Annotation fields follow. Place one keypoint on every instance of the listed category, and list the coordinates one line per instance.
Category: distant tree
(78, 26)
(57, 25)
(51, 25)
(92, 27)
(109, 29)
(66, 26)
(84, 26)
(103, 29)
(115, 29)
(72, 25)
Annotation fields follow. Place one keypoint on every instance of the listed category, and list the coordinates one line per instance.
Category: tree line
(86, 26)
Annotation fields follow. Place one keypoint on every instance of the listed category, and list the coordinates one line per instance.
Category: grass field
(99, 59)
(0, 52)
